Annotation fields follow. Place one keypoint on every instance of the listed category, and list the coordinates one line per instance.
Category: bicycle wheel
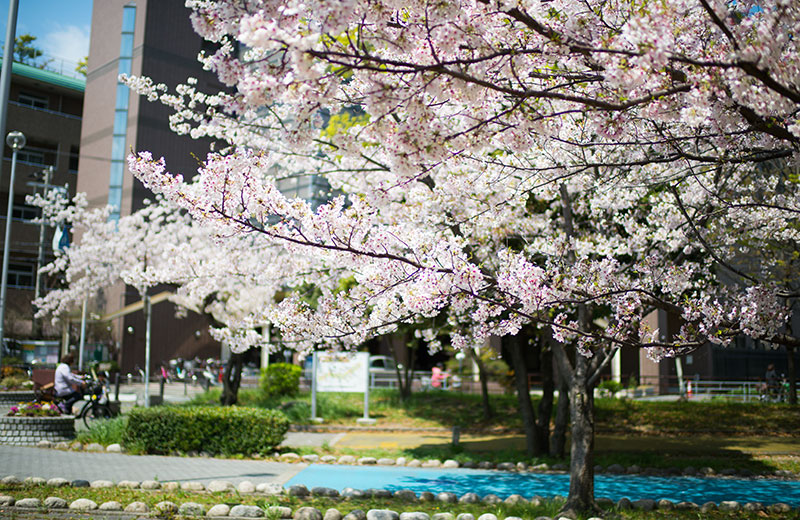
(96, 412)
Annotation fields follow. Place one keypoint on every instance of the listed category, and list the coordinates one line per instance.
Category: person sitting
(439, 377)
(68, 386)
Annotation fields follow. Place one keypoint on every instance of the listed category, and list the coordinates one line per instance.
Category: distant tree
(24, 49)
(82, 64)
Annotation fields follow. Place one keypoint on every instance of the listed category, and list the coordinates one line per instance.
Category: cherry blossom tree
(572, 165)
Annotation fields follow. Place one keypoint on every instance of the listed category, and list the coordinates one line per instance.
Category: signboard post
(340, 372)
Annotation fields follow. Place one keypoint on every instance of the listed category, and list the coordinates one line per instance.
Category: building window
(33, 100)
(20, 276)
(31, 157)
(24, 212)
(74, 155)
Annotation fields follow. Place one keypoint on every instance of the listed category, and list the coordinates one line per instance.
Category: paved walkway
(25, 462)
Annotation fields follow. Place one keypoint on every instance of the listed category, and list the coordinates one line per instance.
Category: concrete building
(46, 107)
(152, 38)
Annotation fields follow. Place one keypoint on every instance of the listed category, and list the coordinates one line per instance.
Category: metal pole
(82, 346)
(147, 316)
(366, 394)
(16, 140)
(314, 387)
(5, 87)
(40, 258)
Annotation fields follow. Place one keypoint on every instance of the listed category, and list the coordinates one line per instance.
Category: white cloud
(70, 43)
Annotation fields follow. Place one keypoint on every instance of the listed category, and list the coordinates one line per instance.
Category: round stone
(29, 503)
(101, 484)
(279, 512)
(35, 481)
(332, 514)
(191, 509)
(415, 515)
(219, 486)
(324, 492)
(193, 486)
(128, 484)
(307, 513)
(246, 487)
(166, 507)
(347, 459)
(114, 448)
(450, 463)
(150, 484)
(95, 447)
(311, 457)
(269, 488)
(414, 463)
(355, 514)
(219, 510)
(137, 507)
(487, 516)
(406, 495)
(55, 503)
(298, 490)
(10, 480)
(247, 511)
(465, 516)
(367, 461)
(7, 500)
(290, 456)
(469, 498)
(382, 514)
(83, 504)
(449, 498)
(57, 482)
(110, 506)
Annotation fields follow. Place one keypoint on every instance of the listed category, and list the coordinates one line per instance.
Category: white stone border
(309, 513)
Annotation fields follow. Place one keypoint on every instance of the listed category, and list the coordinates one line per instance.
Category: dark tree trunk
(581, 482)
(792, 373)
(558, 441)
(231, 379)
(546, 404)
(405, 377)
(532, 441)
(484, 378)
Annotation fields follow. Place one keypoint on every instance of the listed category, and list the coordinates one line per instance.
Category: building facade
(47, 108)
(153, 38)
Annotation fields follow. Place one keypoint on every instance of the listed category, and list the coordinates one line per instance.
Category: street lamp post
(16, 140)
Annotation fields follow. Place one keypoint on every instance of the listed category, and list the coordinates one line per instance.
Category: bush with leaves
(217, 430)
(280, 379)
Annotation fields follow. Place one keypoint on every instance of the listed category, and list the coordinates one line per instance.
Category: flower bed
(28, 431)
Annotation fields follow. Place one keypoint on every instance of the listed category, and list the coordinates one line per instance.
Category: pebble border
(309, 513)
(194, 509)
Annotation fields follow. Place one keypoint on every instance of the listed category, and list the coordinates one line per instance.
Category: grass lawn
(440, 409)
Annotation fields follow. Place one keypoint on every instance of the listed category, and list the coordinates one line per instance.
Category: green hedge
(281, 379)
(216, 430)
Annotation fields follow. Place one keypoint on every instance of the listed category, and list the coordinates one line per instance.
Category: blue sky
(61, 26)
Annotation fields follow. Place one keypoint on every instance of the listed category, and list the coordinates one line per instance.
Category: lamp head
(16, 140)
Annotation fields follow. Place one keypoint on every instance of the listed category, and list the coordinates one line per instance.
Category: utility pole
(5, 87)
(37, 291)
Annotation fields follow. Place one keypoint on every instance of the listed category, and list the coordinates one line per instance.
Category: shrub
(216, 430)
(18, 381)
(610, 386)
(104, 432)
(280, 379)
